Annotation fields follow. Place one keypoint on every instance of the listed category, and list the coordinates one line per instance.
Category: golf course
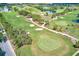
(41, 29)
(44, 42)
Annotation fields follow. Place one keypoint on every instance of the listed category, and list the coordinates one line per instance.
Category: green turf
(48, 44)
(59, 10)
(24, 51)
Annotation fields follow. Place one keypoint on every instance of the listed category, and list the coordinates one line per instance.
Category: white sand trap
(39, 29)
(31, 25)
(18, 16)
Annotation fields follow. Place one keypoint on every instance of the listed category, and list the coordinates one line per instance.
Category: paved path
(73, 39)
(75, 53)
(6, 46)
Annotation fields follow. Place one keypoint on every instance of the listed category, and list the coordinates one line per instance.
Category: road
(73, 39)
(6, 46)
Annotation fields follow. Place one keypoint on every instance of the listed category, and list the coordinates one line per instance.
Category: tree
(1, 14)
(46, 22)
(15, 8)
(77, 15)
(77, 44)
(21, 37)
(59, 28)
(66, 10)
(53, 8)
(53, 15)
(23, 12)
(61, 7)
(46, 13)
(39, 7)
(37, 17)
(1, 37)
(2, 53)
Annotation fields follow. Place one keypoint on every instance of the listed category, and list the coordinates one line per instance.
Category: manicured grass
(44, 42)
(59, 10)
(48, 44)
(24, 51)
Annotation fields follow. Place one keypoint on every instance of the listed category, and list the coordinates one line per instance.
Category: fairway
(23, 51)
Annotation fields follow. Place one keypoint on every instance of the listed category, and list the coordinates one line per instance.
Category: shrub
(2, 53)
(15, 8)
(37, 17)
(23, 12)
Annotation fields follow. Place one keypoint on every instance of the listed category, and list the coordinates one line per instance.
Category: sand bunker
(18, 16)
(31, 25)
(39, 29)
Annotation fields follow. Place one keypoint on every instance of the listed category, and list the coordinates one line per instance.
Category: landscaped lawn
(44, 42)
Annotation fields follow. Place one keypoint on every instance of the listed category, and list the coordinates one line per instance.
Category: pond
(4, 9)
(76, 21)
(50, 12)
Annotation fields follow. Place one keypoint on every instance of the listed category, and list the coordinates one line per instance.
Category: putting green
(48, 44)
